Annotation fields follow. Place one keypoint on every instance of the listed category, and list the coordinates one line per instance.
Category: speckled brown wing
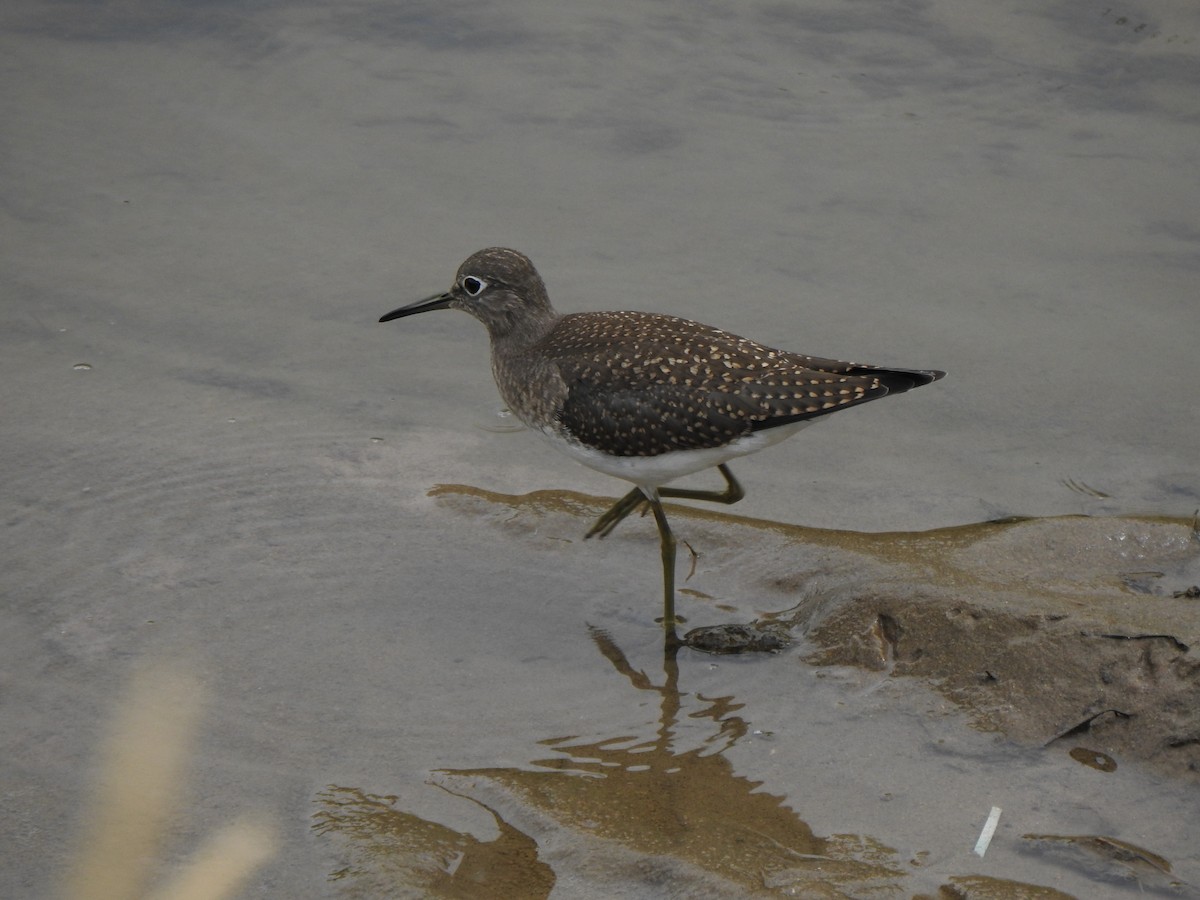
(627, 421)
(829, 385)
(681, 385)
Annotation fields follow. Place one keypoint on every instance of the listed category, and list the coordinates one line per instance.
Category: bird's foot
(619, 510)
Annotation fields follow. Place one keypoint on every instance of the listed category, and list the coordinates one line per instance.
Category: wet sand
(214, 453)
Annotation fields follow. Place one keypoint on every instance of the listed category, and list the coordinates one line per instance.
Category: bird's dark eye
(473, 286)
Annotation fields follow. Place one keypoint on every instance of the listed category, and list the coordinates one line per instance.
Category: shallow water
(214, 452)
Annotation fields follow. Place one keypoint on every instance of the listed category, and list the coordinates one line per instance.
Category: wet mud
(1071, 633)
(1074, 629)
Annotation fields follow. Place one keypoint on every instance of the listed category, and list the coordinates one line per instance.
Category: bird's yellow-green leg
(667, 541)
(606, 523)
(732, 494)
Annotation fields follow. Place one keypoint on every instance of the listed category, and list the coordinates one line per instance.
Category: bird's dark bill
(438, 301)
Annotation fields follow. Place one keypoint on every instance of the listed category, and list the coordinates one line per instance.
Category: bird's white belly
(655, 471)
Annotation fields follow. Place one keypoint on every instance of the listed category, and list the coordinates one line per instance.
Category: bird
(645, 397)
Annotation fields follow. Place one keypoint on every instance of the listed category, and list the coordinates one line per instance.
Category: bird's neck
(511, 335)
(528, 380)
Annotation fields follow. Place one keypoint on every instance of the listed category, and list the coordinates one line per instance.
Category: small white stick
(989, 828)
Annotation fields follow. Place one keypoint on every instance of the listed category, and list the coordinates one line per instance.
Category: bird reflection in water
(615, 811)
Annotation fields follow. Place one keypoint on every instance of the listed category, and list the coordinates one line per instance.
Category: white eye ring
(473, 286)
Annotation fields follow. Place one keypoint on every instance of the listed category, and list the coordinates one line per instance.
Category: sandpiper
(645, 397)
